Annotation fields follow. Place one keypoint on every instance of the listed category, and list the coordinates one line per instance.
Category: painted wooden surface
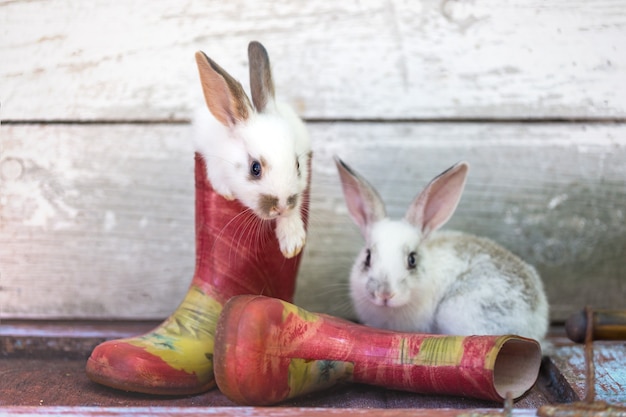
(352, 59)
(42, 365)
(609, 360)
(96, 217)
(248, 411)
(57, 383)
(98, 222)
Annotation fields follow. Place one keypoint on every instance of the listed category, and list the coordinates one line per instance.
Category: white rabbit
(258, 155)
(409, 277)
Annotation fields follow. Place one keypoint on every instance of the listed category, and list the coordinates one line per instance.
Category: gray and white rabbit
(411, 277)
(255, 152)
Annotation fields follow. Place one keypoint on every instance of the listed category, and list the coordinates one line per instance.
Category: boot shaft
(236, 252)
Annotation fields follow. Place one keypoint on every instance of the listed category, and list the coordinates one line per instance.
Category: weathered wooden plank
(84, 212)
(53, 378)
(357, 59)
(57, 382)
(97, 221)
(43, 365)
(150, 411)
(610, 373)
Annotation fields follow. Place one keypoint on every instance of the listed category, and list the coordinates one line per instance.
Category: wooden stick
(605, 325)
(590, 368)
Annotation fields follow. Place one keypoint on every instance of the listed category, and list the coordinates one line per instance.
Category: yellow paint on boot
(313, 375)
(186, 339)
(440, 351)
(305, 315)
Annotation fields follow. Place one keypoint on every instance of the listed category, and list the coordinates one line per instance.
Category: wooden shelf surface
(42, 371)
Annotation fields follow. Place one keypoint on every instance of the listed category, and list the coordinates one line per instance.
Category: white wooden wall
(96, 164)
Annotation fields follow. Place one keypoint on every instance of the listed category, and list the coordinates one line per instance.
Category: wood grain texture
(610, 374)
(43, 377)
(84, 211)
(71, 60)
(52, 379)
(116, 411)
(96, 221)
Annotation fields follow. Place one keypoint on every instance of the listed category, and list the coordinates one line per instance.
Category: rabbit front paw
(291, 235)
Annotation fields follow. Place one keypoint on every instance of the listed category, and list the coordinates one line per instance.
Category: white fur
(229, 140)
(275, 137)
(462, 284)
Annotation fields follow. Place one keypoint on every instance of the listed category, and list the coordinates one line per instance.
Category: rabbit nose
(273, 207)
(279, 210)
(382, 292)
(385, 296)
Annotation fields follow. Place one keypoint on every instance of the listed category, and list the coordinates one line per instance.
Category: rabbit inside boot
(256, 153)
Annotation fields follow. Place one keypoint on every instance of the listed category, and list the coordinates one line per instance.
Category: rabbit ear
(261, 84)
(364, 203)
(223, 94)
(434, 206)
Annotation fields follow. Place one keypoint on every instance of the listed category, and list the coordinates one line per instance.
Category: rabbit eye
(368, 258)
(412, 260)
(255, 169)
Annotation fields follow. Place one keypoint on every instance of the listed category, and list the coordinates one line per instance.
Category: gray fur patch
(267, 203)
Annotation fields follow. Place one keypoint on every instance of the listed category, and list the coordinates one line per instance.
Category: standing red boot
(176, 358)
(240, 248)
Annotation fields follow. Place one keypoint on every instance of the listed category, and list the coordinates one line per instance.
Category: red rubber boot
(233, 257)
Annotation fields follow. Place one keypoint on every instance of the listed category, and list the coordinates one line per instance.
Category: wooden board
(96, 166)
(248, 411)
(133, 60)
(96, 221)
(43, 366)
(610, 372)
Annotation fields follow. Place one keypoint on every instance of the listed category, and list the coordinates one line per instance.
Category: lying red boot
(252, 195)
(268, 351)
